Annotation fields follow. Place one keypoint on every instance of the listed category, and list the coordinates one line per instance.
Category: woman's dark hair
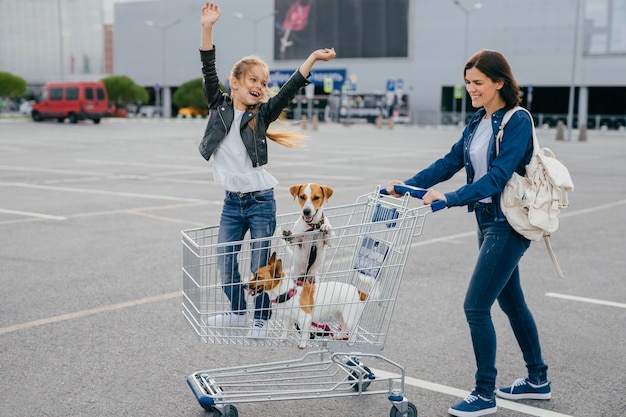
(494, 65)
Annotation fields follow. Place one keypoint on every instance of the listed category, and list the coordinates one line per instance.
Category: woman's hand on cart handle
(436, 199)
(391, 189)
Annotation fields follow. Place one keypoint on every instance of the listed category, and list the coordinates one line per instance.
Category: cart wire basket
(357, 286)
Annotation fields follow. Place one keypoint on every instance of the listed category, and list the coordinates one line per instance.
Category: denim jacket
(222, 114)
(516, 150)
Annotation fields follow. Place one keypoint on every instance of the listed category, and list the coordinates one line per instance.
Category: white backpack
(532, 203)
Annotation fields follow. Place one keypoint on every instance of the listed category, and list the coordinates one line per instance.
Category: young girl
(235, 136)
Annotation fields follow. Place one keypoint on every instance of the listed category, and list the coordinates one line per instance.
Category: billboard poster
(355, 28)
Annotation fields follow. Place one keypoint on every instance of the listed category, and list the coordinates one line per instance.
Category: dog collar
(316, 226)
(284, 297)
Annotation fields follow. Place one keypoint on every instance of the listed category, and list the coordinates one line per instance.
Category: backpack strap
(505, 120)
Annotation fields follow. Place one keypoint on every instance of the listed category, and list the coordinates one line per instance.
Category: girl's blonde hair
(286, 135)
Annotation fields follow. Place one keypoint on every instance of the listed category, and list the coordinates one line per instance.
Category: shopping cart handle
(415, 192)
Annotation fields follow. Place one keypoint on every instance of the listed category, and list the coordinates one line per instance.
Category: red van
(73, 100)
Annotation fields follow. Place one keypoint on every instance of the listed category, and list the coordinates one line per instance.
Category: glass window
(618, 27)
(605, 23)
(100, 93)
(56, 93)
(71, 93)
(89, 93)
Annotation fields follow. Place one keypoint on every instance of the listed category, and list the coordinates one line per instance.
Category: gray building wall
(537, 37)
(46, 40)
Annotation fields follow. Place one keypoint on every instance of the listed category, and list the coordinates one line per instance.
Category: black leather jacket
(221, 112)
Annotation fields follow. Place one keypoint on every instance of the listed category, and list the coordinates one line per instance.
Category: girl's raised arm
(318, 55)
(209, 16)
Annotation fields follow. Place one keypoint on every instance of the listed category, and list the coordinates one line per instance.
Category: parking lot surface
(90, 313)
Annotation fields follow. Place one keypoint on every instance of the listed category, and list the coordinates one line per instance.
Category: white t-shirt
(232, 166)
(478, 151)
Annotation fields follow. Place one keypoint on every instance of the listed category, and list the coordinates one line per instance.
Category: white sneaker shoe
(228, 320)
(259, 329)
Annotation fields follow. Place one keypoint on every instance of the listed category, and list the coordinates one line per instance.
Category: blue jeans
(496, 277)
(256, 212)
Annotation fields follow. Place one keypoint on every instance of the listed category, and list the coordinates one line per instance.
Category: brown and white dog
(308, 248)
(310, 302)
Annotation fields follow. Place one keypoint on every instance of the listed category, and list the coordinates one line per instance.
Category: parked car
(185, 112)
(117, 111)
(27, 107)
(149, 111)
(73, 100)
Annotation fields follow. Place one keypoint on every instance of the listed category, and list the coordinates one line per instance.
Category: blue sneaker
(473, 405)
(523, 389)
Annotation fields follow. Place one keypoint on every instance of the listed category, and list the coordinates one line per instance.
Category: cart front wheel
(207, 408)
(411, 411)
(228, 411)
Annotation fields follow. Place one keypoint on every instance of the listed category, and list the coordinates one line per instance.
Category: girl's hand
(319, 55)
(324, 54)
(210, 14)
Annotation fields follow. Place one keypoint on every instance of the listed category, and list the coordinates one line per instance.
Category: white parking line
(586, 300)
(101, 192)
(444, 389)
(84, 313)
(30, 214)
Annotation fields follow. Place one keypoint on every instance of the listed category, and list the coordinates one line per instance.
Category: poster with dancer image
(355, 28)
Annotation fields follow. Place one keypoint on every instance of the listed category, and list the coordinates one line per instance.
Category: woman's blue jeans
(496, 277)
(256, 212)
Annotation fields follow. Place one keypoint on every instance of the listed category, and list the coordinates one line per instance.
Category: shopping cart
(368, 250)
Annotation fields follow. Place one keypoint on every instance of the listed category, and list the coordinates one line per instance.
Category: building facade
(558, 49)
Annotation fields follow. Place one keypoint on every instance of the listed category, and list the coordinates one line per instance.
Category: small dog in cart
(307, 250)
(309, 303)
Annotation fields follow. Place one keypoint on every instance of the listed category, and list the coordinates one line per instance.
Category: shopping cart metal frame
(371, 239)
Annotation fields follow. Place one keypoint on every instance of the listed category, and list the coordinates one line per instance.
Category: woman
(493, 90)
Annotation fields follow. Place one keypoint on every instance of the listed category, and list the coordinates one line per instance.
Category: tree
(11, 85)
(123, 90)
(190, 94)
(141, 95)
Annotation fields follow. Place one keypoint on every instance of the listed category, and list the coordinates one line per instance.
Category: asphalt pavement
(90, 271)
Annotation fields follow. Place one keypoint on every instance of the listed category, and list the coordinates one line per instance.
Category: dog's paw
(302, 345)
(326, 229)
(287, 235)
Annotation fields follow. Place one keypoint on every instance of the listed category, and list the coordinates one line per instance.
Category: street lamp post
(572, 87)
(255, 21)
(160, 92)
(467, 12)
(61, 53)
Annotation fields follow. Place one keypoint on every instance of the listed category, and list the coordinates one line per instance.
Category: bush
(123, 90)
(190, 94)
(11, 85)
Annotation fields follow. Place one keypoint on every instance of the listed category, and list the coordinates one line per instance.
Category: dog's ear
(272, 258)
(278, 269)
(295, 189)
(327, 191)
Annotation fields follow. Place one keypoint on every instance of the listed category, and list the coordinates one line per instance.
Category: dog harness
(313, 251)
(284, 297)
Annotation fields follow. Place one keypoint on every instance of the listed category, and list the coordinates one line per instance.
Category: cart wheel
(228, 411)
(354, 376)
(411, 411)
(208, 408)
